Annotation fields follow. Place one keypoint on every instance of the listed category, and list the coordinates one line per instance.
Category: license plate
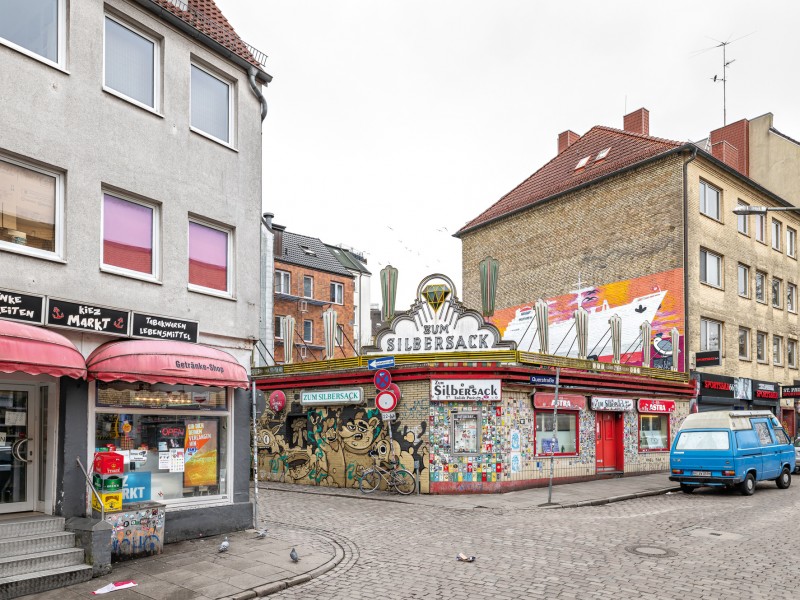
(703, 473)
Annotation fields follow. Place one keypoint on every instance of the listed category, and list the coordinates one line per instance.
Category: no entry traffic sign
(383, 379)
(386, 401)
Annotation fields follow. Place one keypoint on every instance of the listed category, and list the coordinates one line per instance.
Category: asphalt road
(711, 544)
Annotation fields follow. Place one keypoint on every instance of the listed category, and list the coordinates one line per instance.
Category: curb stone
(618, 498)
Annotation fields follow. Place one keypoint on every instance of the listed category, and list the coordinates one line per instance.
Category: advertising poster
(200, 466)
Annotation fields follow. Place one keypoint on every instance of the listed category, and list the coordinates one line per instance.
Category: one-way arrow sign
(385, 362)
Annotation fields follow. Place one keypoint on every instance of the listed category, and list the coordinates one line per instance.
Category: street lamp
(761, 210)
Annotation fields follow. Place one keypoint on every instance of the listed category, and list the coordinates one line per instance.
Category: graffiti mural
(330, 446)
(655, 298)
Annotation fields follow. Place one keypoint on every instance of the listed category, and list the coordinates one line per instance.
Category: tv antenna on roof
(724, 77)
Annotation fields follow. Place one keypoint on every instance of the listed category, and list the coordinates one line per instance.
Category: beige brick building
(627, 218)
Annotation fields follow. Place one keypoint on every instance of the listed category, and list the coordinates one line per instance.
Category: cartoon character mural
(656, 298)
(330, 446)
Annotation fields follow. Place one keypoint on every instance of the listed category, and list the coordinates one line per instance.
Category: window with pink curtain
(127, 235)
(208, 257)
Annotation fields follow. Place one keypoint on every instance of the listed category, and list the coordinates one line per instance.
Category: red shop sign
(565, 401)
(655, 405)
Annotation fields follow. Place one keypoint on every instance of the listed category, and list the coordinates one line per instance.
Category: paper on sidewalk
(117, 585)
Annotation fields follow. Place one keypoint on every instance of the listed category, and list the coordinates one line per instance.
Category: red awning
(157, 361)
(38, 351)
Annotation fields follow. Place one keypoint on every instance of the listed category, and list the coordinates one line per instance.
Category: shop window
(129, 233)
(566, 441)
(131, 63)
(209, 249)
(466, 433)
(31, 209)
(35, 27)
(211, 104)
(174, 439)
(653, 433)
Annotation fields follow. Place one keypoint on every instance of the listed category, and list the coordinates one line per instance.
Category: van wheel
(784, 480)
(687, 489)
(748, 486)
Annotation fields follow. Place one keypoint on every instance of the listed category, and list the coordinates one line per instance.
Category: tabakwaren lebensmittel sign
(437, 322)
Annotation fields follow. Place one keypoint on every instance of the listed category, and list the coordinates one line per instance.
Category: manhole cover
(650, 551)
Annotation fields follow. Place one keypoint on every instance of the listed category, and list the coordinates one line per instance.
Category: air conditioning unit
(303, 352)
(303, 306)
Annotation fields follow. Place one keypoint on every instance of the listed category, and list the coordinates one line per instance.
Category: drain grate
(650, 551)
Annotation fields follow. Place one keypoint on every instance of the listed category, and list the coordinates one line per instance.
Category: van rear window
(703, 440)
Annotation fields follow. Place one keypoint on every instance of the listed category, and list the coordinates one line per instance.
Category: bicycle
(396, 478)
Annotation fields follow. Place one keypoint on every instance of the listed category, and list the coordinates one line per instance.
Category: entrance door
(17, 450)
(606, 441)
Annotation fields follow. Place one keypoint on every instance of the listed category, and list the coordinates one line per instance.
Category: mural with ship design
(655, 298)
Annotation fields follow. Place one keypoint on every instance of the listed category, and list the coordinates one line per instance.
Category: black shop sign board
(87, 317)
(164, 328)
(21, 307)
(708, 358)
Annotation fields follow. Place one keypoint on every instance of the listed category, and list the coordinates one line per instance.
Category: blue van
(731, 448)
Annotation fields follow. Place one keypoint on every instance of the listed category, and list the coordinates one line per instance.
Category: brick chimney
(637, 122)
(566, 139)
(736, 135)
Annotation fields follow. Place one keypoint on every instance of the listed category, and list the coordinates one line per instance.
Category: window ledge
(129, 274)
(34, 56)
(214, 139)
(31, 252)
(716, 220)
(129, 100)
(745, 359)
(744, 233)
(712, 286)
(210, 292)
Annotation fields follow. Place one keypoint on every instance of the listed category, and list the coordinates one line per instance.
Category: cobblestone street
(711, 544)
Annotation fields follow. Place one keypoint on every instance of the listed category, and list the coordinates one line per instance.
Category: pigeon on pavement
(293, 555)
(261, 534)
(223, 547)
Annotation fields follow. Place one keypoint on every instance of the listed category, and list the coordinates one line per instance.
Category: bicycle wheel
(370, 479)
(404, 482)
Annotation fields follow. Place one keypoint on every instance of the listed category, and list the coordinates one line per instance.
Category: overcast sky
(391, 124)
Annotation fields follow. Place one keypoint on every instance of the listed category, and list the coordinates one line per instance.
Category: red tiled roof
(206, 17)
(560, 175)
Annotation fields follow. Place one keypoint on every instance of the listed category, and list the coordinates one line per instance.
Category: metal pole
(555, 439)
(255, 456)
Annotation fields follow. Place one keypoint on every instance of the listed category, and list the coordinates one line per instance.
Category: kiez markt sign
(86, 317)
(437, 322)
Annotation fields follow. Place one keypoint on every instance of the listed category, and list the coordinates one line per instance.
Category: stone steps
(31, 544)
(41, 581)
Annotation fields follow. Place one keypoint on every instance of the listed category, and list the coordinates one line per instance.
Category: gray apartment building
(130, 208)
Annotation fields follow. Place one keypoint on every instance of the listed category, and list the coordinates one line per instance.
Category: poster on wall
(200, 466)
(656, 298)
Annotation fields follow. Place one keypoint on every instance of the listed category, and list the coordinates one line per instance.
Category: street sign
(383, 379)
(386, 401)
(543, 379)
(389, 416)
(384, 362)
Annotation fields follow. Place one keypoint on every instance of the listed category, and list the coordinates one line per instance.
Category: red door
(606, 441)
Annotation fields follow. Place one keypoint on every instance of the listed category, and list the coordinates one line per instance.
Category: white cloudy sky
(391, 124)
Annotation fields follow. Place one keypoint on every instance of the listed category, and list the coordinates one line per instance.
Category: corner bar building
(480, 419)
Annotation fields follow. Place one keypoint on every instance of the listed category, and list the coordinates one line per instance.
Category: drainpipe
(686, 262)
(251, 77)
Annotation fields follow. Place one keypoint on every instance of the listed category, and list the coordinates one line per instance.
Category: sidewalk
(254, 567)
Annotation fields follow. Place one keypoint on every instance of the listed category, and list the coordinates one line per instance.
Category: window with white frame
(211, 105)
(777, 350)
(337, 293)
(130, 236)
(777, 234)
(710, 268)
(283, 282)
(209, 258)
(131, 62)
(776, 292)
(308, 330)
(340, 335)
(742, 221)
(791, 297)
(744, 280)
(279, 320)
(761, 346)
(744, 343)
(710, 334)
(761, 285)
(760, 225)
(791, 353)
(709, 200)
(308, 286)
(31, 209)
(35, 27)
(791, 242)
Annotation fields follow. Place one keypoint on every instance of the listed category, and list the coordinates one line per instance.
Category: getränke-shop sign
(465, 389)
(87, 317)
(163, 328)
(328, 397)
(21, 307)
(615, 404)
(656, 405)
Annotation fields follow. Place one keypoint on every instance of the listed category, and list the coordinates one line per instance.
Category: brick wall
(321, 291)
(737, 135)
